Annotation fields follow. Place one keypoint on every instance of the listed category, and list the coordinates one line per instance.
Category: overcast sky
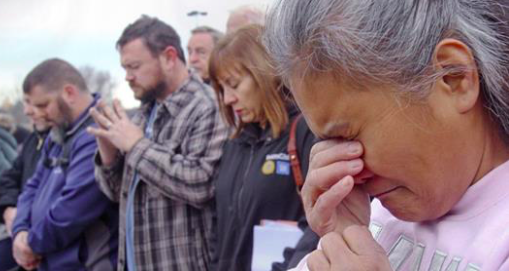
(84, 32)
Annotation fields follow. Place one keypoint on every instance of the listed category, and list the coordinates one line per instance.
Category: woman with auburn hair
(255, 179)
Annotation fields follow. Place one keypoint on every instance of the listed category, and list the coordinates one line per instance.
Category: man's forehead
(196, 46)
(134, 49)
(201, 38)
(39, 93)
(133, 44)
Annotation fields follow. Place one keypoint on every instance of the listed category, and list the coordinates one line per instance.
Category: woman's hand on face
(331, 199)
(354, 249)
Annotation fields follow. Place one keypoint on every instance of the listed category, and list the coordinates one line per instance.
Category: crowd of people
(380, 127)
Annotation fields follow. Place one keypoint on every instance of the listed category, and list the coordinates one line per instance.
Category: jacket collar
(83, 117)
(60, 135)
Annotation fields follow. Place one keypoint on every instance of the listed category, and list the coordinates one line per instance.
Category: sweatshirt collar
(488, 191)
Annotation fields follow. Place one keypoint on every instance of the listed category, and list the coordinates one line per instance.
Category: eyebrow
(128, 64)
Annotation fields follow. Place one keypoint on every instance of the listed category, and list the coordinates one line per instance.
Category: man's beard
(58, 131)
(153, 93)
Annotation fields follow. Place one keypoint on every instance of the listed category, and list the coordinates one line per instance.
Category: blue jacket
(70, 222)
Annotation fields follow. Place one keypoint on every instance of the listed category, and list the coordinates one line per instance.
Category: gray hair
(215, 34)
(393, 42)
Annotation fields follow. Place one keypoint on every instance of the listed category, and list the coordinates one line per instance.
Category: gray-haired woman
(413, 99)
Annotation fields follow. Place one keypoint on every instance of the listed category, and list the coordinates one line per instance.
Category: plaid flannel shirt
(173, 206)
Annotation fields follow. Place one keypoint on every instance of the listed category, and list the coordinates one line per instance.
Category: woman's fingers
(330, 151)
(324, 177)
(320, 213)
(317, 261)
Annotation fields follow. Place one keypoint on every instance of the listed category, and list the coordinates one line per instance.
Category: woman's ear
(460, 81)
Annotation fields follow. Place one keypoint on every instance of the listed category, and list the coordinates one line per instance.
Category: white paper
(269, 242)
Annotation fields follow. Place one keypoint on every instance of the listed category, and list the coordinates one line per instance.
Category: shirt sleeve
(79, 204)
(24, 204)
(109, 178)
(183, 175)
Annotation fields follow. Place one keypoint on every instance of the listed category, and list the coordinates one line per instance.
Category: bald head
(244, 15)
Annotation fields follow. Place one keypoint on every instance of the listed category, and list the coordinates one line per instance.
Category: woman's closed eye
(233, 85)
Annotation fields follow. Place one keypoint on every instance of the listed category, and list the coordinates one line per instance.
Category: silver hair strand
(392, 42)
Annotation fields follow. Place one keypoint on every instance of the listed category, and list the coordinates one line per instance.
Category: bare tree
(98, 81)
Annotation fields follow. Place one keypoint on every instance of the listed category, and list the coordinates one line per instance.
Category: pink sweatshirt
(474, 235)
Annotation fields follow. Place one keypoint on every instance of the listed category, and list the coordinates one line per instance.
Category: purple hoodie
(70, 222)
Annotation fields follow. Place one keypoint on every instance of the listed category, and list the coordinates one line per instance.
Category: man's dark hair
(156, 35)
(52, 74)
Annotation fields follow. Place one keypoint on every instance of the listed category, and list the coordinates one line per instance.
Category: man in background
(7, 155)
(202, 41)
(63, 220)
(14, 179)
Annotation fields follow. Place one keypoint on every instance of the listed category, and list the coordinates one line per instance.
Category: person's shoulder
(203, 98)
(83, 138)
(202, 91)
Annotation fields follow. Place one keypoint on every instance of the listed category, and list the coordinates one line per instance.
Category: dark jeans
(6, 260)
